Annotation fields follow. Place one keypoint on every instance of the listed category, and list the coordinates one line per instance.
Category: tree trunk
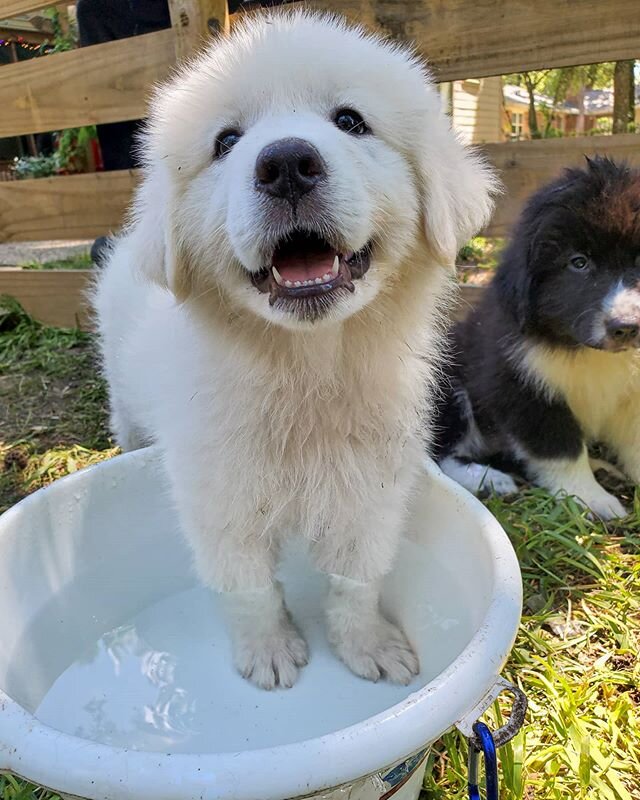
(534, 133)
(580, 122)
(623, 96)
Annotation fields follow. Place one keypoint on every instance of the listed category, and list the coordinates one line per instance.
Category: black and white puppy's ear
(458, 189)
(514, 281)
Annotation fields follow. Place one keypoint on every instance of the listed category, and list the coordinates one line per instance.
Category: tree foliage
(558, 85)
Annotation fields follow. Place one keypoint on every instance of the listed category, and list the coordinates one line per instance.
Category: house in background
(597, 114)
(567, 119)
(515, 114)
(475, 107)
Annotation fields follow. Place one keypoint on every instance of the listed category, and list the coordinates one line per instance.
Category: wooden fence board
(524, 166)
(11, 8)
(82, 206)
(103, 83)
(59, 297)
(475, 38)
(65, 207)
(461, 39)
(195, 20)
(55, 297)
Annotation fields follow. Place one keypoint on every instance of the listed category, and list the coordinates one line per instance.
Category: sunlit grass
(576, 657)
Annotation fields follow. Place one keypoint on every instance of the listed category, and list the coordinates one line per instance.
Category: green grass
(14, 789)
(78, 261)
(52, 404)
(576, 652)
(576, 657)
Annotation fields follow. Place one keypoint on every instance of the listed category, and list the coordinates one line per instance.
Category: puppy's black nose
(289, 168)
(622, 332)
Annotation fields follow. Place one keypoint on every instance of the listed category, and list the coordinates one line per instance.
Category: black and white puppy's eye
(225, 141)
(579, 263)
(350, 121)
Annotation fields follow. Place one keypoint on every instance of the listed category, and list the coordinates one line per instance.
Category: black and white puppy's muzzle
(622, 320)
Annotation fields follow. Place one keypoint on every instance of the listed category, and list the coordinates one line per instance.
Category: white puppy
(271, 317)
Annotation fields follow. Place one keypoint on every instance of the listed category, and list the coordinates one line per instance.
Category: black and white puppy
(550, 359)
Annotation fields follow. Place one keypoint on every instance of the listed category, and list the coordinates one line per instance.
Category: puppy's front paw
(271, 659)
(497, 482)
(376, 649)
(604, 506)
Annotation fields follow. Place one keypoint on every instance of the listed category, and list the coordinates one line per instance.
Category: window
(517, 124)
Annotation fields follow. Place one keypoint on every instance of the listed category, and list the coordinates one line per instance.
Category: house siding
(477, 110)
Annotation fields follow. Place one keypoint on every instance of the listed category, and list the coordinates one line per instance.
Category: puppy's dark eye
(350, 121)
(225, 141)
(579, 263)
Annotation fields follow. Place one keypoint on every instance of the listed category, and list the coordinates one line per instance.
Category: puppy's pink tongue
(305, 267)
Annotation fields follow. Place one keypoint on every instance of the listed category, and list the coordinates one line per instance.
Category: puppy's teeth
(336, 267)
(277, 276)
(297, 284)
(288, 284)
(318, 280)
(326, 277)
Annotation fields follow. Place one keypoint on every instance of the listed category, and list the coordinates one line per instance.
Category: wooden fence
(461, 39)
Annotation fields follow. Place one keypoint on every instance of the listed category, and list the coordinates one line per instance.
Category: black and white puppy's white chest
(601, 389)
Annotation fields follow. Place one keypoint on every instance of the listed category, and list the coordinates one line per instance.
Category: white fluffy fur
(271, 426)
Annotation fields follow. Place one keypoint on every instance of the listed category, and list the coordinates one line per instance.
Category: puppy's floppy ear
(156, 250)
(458, 189)
(514, 281)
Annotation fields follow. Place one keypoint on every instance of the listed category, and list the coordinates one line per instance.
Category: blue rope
(488, 749)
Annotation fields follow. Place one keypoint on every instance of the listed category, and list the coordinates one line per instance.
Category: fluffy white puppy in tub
(271, 318)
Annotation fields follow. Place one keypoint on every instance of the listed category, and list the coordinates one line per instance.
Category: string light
(29, 46)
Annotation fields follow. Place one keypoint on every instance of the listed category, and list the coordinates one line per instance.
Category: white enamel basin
(115, 671)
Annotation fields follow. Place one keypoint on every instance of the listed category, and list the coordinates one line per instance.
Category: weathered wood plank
(59, 297)
(195, 20)
(66, 207)
(471, 39)
(11, 8)
(103, 83)
(55, 297)
(524, 166)
(82, 206)
(468, 297)
(460, 38)
(475, 38)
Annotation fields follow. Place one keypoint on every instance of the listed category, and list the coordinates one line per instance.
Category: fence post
(195, 20)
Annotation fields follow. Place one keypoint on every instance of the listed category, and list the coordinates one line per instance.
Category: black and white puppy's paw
(575, 477)
(479, 479)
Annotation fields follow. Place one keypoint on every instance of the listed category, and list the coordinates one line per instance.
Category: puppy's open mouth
(304, 265)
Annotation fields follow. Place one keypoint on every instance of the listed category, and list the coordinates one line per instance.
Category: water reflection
(131, 687)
